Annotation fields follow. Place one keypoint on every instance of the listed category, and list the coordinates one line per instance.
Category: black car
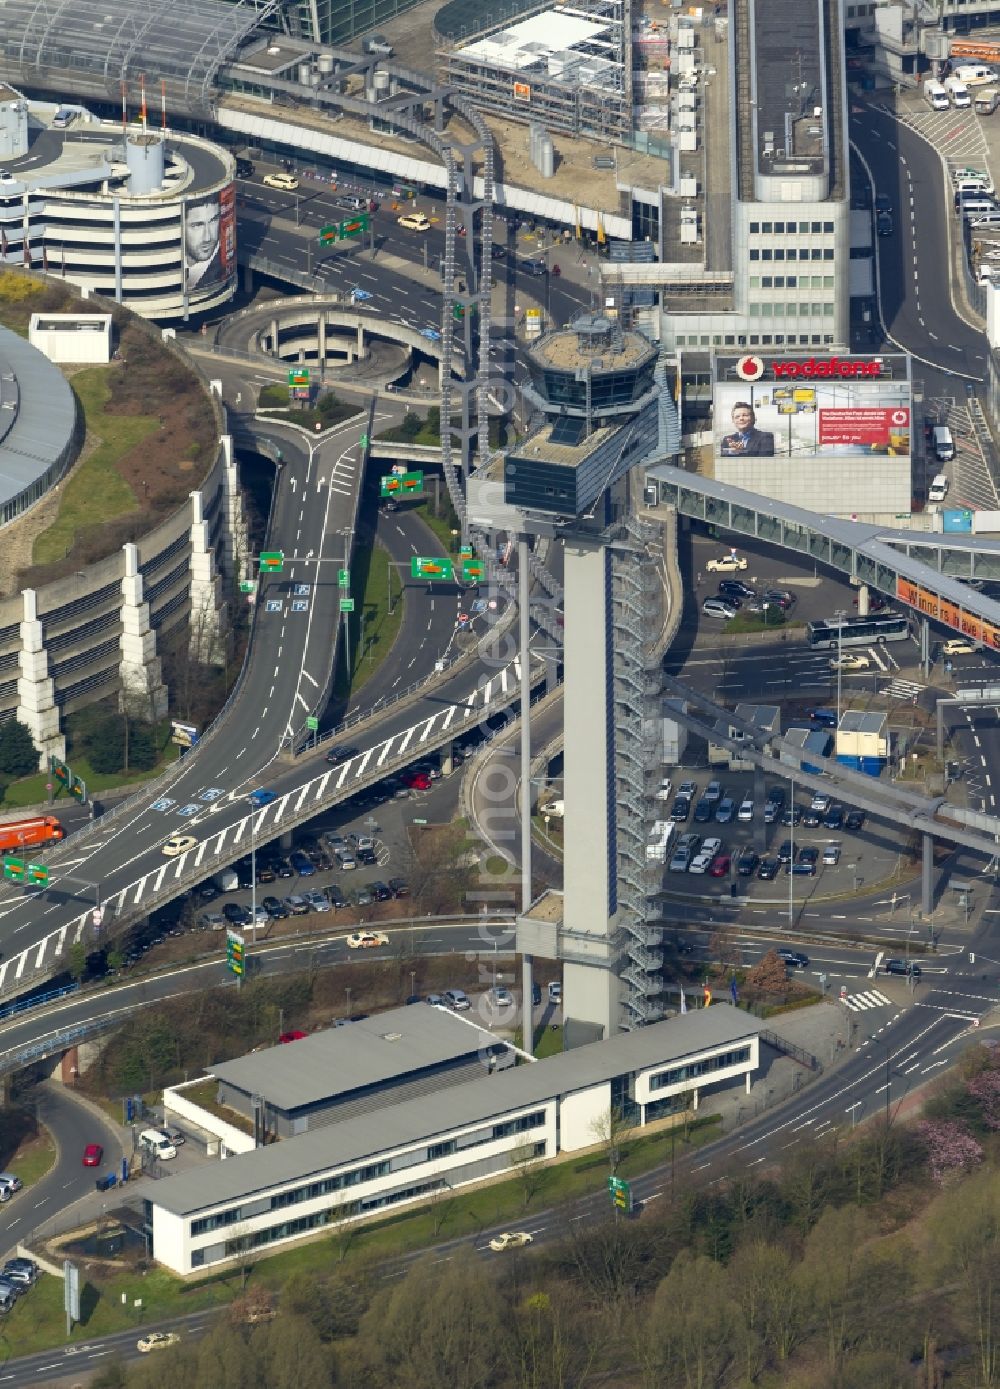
(767, 869)
(275, 908)
(343, 753)
(855, 820)
(834, 818)
(746, 863)
(809, 854)
(244, 168)
(812, 819)
(785, 851)
(532, 267)
(795, 958)
(244, 872)
(206, 892)
(704, 810)
(792, 816)
(366, 856)
(381, 892)
(902, 967)
(803, 869)
(337, 898)
(778, 598)
(265, 872)
(681, 809)
(883, 223)
(400, 887)
(735, 588)
(499, 252)
(236, 915)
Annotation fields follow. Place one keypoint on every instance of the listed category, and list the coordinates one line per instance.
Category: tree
(769, 975)
(411, 425)
(613, 1130)
(76, 961)
(554, 1339)
(18, 754)
(532, 1174)
(692, 1328)
(294, 1356)
(985, 1090)
(951, 1149)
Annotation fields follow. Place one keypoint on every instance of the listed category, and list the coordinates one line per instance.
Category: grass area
(95, 491)
(442, 525)
(328, 411)
(31, 790)
(38, 1322)
(35, 1158)
(372, 627)
(426, 434)
(757, 622)
(204, 1094)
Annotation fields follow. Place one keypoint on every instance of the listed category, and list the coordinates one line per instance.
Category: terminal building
(408, 1138)
(139, 214)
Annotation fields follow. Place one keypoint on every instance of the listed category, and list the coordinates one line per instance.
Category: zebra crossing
(902, 689)
(869, 998)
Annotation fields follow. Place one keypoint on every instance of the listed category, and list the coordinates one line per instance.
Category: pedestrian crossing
(870, 998)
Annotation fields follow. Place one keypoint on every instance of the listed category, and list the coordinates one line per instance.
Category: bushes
(114, 742)
(18, 754)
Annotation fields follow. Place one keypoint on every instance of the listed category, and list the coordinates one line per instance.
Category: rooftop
(548, 907)
(416, 1121)
(862, 721)
(37, 415)
(563, 441)
(789, 85)
(341, 1060)
(593, 341)
(534, 41)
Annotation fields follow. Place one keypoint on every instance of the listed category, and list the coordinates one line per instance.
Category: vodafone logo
(749, 368)
(900, 417)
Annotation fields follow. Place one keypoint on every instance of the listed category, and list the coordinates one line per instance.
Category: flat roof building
(406, 1151)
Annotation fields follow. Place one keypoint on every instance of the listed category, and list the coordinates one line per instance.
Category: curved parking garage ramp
(876, 556)
(38, 425)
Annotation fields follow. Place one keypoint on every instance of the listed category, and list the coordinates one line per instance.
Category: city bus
(40, 830)
(858, 631)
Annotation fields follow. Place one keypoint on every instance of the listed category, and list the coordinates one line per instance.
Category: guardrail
(799, 1054)
(25, 1005)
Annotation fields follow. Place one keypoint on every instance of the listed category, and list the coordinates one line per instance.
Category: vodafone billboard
(812, 405)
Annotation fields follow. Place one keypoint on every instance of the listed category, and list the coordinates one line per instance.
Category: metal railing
(799, 1054)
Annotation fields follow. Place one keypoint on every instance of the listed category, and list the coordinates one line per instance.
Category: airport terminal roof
(96, 46)
(478, 1101)
(341, 1060)
(37, 415)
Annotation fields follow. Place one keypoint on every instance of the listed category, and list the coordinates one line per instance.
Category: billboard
(943, 610)
(811, 407)
(209, 239)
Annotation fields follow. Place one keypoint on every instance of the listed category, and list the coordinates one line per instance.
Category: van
(936, 96)
(958, 93)
(378, 43)
(974, 204)
(986, 219)
(968, 184)
(228, 880)
(157, 1144)
(974, 175)
(944, 444)
(938, 489)
(974, 75)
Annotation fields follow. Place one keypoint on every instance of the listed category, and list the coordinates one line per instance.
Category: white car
(701, 862)
(415, 221)
(179, 844)
(850, 662)
(821, 802)
(662, 792)
(366, 940)
(286, 182)
(959, 646)
(745, 811)
(726, 564)
(157, 1340)
(831, 854)
(510, 1240)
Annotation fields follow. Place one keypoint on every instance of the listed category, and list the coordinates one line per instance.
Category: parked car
(704, 810)
(855, 821)
(778, 598)
(318, 900)
(457, 999)
(337, 898)
(275, 908)
(745, 812)
(302, 864)
(501, 997)
(680, 810)
(689, 789)
(555, 991)
(363, 897)
(297, 906)
(381, 891)
(400, 887)
(719, 866)
(747, 863)
(834, 818)
(713, 791)
(786, 851)
(812, 818)
(725, 810)
(417, 781)
(726, 564)
(735, 588)
(809, 854)
(792, 816)
(831, 854)
(718, 607)
(237, 915)
(244, 168)
(768, 868)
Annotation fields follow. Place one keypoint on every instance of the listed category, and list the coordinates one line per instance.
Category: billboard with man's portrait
(209, 239)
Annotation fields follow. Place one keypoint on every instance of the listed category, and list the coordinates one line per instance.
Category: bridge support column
(247, 280)
(321, 341)
(551, 670)
(207, 605)
(361, 343)
(36, 690)
(274, 337)
(143, 692)
(285, 841)
(927, 875)
(236, 542)
(863, 600)
(447, 759)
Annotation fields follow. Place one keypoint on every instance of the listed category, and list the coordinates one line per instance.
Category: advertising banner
(209, 239)
(942, 610)
(811, 407)
(956, 521)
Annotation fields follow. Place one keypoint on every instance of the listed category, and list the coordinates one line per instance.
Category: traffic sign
(398, 484)
(465, 552)
(343, 578)
(347, 605)
(298, 376)
(78, 789)
(363, 441)
(621, 1193)
(312, 723)
(472, 570)
(351, 226)
(234, 951)
(248, 585)
(38, 873)
(59, 770)
(13, 869)
(422, 567)
(271, 561)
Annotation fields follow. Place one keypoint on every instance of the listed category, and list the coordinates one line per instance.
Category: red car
(719, 866)
(295, 1036)
(93, 1155)
(417, 781)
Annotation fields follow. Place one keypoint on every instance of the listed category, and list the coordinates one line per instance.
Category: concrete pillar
(321, 340)
(206, 590)
(447, 759)
(285, 842)
(140, 668)
(236, 539)
(247, 280)
(864, 594)
(551, 669)
(694, 1101)
(36, 704)
(927, 875)
(275, 336)
(748, 1082)
(361, 341)
(441, 374)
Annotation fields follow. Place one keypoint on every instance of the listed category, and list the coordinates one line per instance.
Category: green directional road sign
(271, 561)
(339, 231)
(312, 723)
(400, 484)
(38, 873)
(14, 869)
(472, 570)
(60, 771)
(347, 605)
(621, 1193)
(328, 234)
(363, 441)
(298, 376)
(78, 789)
(248, 586)
(465, 552)
(423, 568)
(343, 578)
(234, 952)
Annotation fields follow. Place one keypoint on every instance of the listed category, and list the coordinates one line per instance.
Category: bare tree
(532, 1175)
(613, 1131)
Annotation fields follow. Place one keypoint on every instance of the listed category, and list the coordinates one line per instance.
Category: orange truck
(40, 830)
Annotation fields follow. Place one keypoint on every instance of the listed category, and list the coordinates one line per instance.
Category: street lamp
(840, 614)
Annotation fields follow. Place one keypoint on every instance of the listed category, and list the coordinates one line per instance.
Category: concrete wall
(176, 1106)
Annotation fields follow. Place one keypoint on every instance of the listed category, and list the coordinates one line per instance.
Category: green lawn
(372, 628)
(35, 1158)
(442, 525)
(95, 491)
(30, 790)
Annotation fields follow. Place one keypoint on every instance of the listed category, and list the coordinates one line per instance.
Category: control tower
(605, 407)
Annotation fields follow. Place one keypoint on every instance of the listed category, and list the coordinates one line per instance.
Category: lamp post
(791, 862)
(840, 614)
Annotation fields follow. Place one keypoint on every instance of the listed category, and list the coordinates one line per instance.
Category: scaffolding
(637, 589)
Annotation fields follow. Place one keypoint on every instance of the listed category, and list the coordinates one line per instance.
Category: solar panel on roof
(569, 430)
